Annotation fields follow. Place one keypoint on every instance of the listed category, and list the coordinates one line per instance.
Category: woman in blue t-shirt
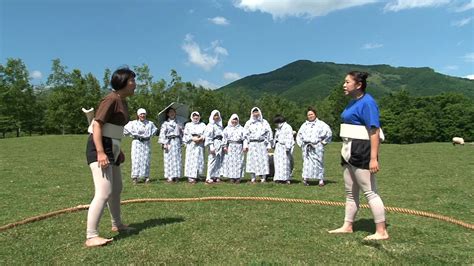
(361, 136)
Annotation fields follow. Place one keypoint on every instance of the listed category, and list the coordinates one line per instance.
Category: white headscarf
(211, 118)
(192, 114)
(232, 117)
(251, 114)
(141, 111)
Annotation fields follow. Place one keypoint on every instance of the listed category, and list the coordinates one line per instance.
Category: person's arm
(374, 150)
(102, 159)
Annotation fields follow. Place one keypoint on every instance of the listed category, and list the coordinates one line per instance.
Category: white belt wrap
(357, 132)
(109, 130)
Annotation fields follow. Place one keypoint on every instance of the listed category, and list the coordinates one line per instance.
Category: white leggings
(108, 186)
(356, 179)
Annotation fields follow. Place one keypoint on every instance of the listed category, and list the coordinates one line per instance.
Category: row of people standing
(227, 147)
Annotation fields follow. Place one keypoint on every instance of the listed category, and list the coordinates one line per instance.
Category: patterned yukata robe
(141, 132)
(214, 141)
(235, 140)
(259, 135)
(194, 163)
(312, 137)
(171, 133)
(284, 143)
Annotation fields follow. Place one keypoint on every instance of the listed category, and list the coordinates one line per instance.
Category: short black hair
(120, 78)
(360, 76)
(278, 119)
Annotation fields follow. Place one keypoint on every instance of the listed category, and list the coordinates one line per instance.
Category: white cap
(141, 111)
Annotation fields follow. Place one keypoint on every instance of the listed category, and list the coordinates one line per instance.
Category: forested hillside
(298, 80)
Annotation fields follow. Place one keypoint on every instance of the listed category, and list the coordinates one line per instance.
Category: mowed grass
(42, 174)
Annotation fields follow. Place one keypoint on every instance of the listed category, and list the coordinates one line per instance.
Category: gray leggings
(356, 179)
(108, 186)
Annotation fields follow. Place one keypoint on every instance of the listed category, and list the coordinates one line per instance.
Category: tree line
(55, 107)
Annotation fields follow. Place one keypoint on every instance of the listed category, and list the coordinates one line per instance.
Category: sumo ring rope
(223, 198)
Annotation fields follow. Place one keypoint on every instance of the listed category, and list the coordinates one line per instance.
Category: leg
(367, 184)
(352, 201)
(103, 189)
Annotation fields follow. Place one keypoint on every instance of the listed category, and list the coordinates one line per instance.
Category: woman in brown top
(104, 155)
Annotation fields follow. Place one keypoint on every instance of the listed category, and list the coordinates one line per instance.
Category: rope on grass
(223, 198)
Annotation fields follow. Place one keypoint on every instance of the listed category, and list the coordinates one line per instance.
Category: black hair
(196, 114)
(168, 111)
(120, 78)
(361, 77)
(278, 119)
(255, 110)
(312, 109)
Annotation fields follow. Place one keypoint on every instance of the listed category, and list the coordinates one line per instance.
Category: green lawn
(42, 174)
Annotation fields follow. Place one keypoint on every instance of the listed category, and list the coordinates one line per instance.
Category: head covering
(211, 118)
(232, 117)
(193, 114)
(141, 111)
(251, 114)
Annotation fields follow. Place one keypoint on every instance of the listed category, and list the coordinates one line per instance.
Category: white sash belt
(109, 130)
(357, 132)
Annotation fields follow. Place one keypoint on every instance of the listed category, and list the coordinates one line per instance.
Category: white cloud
(397, 5)
(206, 84)
(205, 59)
(469, 57)
(221, 21)
(231, 76)
(298, 8)
(36, 74)
(470, 76)
(466, 7)
(368, 46)
(462, 22)
(451, 67)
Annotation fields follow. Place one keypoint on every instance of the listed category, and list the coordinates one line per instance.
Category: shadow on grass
(148, 224)
(366, 225)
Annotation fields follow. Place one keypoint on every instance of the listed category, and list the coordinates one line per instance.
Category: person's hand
(226, 150)
(246, 149)
(374, 166)
(212, 151)
(102, 159)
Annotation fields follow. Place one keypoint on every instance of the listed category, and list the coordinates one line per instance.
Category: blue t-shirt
(363, 111)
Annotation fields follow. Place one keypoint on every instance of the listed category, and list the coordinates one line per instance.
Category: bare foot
(97, 241)
(122, 228)
(377, 236)
(341, 230)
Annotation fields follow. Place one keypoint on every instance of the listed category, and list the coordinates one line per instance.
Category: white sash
(109, 130)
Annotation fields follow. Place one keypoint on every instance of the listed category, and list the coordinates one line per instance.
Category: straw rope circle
(224, 198)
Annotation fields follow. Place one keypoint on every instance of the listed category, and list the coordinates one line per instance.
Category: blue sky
(213, 43)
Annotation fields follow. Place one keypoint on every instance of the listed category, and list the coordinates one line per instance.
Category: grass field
(42, 174)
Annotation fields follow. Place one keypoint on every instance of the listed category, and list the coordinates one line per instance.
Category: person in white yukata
(171, 133)
(194, 139)
(214, 141)
(312, 136)
(141, 130)
(235, 144)
(283, 146)
(260, 137)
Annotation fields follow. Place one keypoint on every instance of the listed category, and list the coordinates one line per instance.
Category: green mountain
(303, 81)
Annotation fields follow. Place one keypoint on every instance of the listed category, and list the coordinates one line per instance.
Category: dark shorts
(360, 154)
(91, 151)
